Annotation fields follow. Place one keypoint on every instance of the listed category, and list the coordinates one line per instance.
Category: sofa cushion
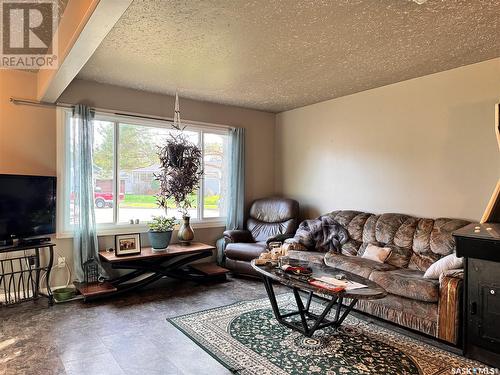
(369, 229)
(422, 236)
(355, 264)
(262, 231)
(404, 235)
(351, 247)
(400, 256)
(422, 261)
(387, 226)
(442, 241)
(272, 216)
(244, 251)
(407, 283)
(353, 221)
(344, 218)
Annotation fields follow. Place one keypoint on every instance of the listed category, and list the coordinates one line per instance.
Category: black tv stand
(25, 242)
(34, 241)
(21, 271)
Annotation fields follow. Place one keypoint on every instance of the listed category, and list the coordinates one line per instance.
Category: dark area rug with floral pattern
(246, 338)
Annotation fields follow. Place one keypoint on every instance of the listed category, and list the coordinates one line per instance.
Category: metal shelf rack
(21, 271)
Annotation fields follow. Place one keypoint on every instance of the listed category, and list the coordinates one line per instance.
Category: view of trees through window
(215, 179)
(103, 170)
(133, 149)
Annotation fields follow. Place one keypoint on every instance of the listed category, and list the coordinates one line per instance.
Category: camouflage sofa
(429, 306)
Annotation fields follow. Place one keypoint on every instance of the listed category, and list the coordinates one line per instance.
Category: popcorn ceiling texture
(278, 55)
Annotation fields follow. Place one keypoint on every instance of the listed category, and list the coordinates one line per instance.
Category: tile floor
(125, 335)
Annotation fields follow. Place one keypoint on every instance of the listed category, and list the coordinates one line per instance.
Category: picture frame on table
(127, 244)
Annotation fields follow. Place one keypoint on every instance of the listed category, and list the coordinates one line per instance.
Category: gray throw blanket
(322, 234)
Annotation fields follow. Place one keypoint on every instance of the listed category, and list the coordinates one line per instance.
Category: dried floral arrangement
(180, 169)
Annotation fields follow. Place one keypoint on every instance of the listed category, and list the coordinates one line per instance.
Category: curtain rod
(21, 101)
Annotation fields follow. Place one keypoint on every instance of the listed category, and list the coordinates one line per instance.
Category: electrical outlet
(61, 262)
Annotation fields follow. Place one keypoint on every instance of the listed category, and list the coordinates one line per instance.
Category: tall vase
(186, 233)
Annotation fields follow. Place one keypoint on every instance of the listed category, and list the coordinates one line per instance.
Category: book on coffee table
(323, 285)
(346, 284)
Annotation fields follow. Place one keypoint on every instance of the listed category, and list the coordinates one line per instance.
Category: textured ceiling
(278, 55)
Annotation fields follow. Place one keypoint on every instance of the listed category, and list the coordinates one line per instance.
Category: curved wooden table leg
(159, 268)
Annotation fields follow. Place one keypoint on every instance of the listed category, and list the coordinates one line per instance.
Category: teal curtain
(236, 206)
(82, 188)
(236, 190)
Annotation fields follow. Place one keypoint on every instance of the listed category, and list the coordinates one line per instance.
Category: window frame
(64, 228)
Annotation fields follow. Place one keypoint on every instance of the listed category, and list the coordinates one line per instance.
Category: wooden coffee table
(309, 321)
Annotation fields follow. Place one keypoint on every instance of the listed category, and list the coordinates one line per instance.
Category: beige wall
(28, 135)
(424, 146)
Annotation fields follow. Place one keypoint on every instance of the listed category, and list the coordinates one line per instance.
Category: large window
(125, 164)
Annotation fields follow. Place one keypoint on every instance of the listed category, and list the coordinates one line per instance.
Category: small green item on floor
(64, 294)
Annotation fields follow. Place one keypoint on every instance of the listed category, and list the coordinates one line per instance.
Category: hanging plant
(180, 168)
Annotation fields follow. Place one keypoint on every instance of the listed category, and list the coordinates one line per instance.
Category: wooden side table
(172, 263)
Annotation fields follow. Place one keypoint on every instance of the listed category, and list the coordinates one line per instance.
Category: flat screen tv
(27, 206)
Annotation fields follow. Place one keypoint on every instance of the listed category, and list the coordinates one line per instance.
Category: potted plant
(180, 174)
(160, 231)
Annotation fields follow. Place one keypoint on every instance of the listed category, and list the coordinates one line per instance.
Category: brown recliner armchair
(270, 218)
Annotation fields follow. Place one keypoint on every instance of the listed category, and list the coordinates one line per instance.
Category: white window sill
(143, 228)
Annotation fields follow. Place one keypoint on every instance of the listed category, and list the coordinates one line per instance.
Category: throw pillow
(449, 262)
(376, 253)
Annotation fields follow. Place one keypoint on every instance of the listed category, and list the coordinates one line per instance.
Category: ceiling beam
(83, 26)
